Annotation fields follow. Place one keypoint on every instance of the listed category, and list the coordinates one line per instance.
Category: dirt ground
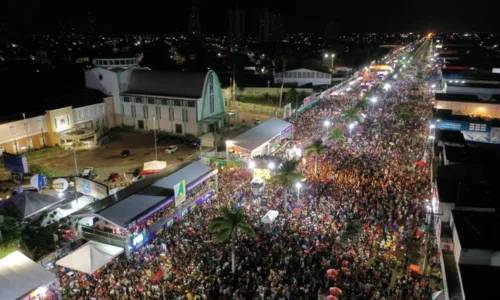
(106, 159)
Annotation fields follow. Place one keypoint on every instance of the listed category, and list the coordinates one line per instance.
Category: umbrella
(335, 291)
(420, 163)
(332, 272)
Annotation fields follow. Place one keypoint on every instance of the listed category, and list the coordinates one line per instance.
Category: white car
(171, 149)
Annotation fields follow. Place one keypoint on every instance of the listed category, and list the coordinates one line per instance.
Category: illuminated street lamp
(251, 164)
(327, 124)
(373, 100)
(330, 55)
(387, 86)
(271, 165)
(351, 126)
(298, 186)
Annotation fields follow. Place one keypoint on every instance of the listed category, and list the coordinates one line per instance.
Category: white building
(303, 76)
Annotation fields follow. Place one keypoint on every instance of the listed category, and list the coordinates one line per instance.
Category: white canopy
(270, 216)
(90, 257)
(155, 165)
(20, 276)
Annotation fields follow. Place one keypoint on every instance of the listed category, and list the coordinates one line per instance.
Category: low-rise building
(303, 75)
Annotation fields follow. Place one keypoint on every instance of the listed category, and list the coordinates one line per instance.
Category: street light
(251, 164)
(298, 186)
(330, 55)
(387, 86)
(351, 126)
(271, 165)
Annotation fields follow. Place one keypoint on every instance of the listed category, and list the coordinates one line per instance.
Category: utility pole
(282, 81)
(26, 131)
(268, 91)
(234, 83)
(154, 133)
(75, 143)
(40, 123)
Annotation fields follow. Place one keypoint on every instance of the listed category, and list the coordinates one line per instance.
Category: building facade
(304, 76)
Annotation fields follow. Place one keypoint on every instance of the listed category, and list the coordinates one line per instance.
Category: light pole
(327, 125)
(268, 91)
(40, 124)
(298, 186)
(332, 56)
(75, 143)
(26, 132)
(351, 126)
(154, 133)
(373, 100)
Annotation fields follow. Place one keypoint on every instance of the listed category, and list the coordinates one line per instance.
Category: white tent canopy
(90, 257)
(20, 276)
(270, 216)
(155, 165)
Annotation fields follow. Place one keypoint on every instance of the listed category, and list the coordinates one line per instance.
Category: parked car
(125, 153)
(87, 173)
(171, 149)
(114, 177)
(257, 122)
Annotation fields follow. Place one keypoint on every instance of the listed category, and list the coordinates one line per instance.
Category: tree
(362, 104)
(227, 226)
(351, 115)
(287, 175)
(337, 135)
(42, 170)
(291, 95)
(316, 148)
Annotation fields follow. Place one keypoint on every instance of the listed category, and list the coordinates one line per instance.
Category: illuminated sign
(62, 123)
(180, 192)
(91, 188)
(137, 239)
(262, 173)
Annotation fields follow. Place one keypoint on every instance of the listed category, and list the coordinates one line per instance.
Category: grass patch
(8, 246)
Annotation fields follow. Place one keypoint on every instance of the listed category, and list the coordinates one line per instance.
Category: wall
(260, 92)
(304, 76)
(110, 112)
(262, 109)
(64, 119)
(475, 257)
(22, 134)
(445, 208)
(91, 114)
(108, 84)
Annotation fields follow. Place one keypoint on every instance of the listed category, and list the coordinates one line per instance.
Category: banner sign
(15, 163)
(91, 188)
(464, 126)
(180, 192)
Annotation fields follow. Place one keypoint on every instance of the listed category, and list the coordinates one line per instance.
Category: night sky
(307, 16)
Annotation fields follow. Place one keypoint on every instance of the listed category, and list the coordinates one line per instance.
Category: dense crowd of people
(359, 213)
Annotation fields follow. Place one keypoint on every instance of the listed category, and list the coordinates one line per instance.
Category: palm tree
(351, 115)
(287, 175)
(337, 135)
(231, 221)
(316, 148)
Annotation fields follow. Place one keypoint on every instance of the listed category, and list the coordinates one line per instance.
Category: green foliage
(37, 240)
(41, 169)
(288, 174)
(231, 221)
(291, 95)
(337, 135)
(405, 113)
(8, 246)
(316, 148)
(351, 115)
(362, 104)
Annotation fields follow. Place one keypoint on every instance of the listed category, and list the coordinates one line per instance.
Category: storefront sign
(91, 188)
(180, 192)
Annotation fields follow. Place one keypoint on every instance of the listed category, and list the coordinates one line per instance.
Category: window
(133, 111)
(151, 101)
(184, 115)
(126, 99)
(138, 100)
(55, 123)
(80, 114)
(211, 97)
(177, 103)
(95, 110)
(171, 113)
(27, 127)
(158, 113)
(164, 102)
(145, 108)
(178, 128)
(100, 77)
(191, 103)
(87, 112)
(13, 130)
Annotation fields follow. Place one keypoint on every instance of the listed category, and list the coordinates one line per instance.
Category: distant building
(271, 27)
(90, 25)
(278, 28)
(303, 75)
(236, 27)
(194, 26)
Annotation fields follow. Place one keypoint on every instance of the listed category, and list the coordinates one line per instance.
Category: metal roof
(174, 84)
(260, 134)
(138, 199)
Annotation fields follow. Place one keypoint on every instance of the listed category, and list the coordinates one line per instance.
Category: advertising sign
(15, 163)
(60, 185)
(91, 188)
(38, 181)
(463, 126)
(180, 192)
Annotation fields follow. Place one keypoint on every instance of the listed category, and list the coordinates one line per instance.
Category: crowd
(359, 214)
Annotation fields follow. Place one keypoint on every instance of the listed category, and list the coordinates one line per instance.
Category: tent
(155, 165)
(270, 216)
(90, 257)
(20, 276)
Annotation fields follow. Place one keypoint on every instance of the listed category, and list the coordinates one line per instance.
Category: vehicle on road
(125, 153)
(87, 173)
(171, 149)
(114, 177)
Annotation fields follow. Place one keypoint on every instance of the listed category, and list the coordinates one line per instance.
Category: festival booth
(90, 257)
(268, 220)
(22, 278)
(134, 215)
(262, 139)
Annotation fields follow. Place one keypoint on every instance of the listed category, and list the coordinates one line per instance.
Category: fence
(104, 237)
(258, 108)
(305, 107)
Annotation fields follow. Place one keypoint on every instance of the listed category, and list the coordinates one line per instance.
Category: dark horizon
(114, 17)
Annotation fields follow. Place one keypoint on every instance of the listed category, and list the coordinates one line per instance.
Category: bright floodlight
(327, 123)
(298, 185)
(351, 126)
(326, 54)
(251, 164)
(271, 165)
(433, 86)
(433, 126)
(387, 86)
(373, 99)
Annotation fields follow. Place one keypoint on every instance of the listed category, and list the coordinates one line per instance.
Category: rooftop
(138, 199)
(477, 230)
(173, 84)
(487, 276)
(495, 99)
(260, 134)
(468, 194)
(450, 136)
